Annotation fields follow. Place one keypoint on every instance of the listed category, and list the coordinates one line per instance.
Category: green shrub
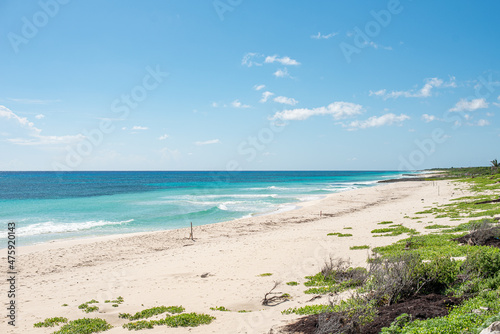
(341, 235)
(292, 283)
(51, 322)
(84, 326)
(438, 275)
(86, 308)
(219, 308)
(148, 313)
(188, 320)
(436, 226)
(483, 261)
(265, 274)
(461, 319)
(179, 320)
(393, 231)
(359, 247)
(308, 309)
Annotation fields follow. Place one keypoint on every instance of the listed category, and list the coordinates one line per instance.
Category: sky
(248, 85)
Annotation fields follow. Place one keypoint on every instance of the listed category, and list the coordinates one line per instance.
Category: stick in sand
(191, 236)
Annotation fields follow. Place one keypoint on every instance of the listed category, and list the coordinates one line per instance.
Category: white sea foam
(222, 207)
(51, 227)
(310, 198)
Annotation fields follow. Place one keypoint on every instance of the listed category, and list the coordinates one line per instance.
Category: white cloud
(163, 137)
(265, 96)
(425, 91)
(285, 100)
(378, 92)
(283, 61)
(215, 104)
(483, 122)
(321, 36)
(338, 110)
(377, 46)
(248, 59)
(259, 87)
(282, 73)
(374, 121)
(465, 105)
(451, 83)
(138, 127)
(207, 142)
(39, 116)
(490, 114)
(238, 104)
(31, 135)
(428, 118)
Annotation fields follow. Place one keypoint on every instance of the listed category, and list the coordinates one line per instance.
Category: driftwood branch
(272, 298)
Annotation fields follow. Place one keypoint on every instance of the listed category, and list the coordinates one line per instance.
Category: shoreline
(294, 206)
(165, 268)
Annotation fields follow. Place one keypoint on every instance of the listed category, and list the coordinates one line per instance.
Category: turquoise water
(58, 205)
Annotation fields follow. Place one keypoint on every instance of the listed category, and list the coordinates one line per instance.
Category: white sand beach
(166, 268)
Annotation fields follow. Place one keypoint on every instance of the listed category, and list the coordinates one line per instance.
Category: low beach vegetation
(84, 326)
(179, 320)
(219, 308)
(148, 313)
(341, 235)
(393, 230)
(444, 282)
(359, 247)
(51, 322)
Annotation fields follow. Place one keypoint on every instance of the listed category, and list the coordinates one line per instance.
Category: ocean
(50, 206)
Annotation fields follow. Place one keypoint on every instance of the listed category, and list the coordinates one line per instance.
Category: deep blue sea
(58, 205)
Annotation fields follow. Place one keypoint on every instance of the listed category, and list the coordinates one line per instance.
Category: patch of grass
(292, 283)
(341, 235)
(308, 309)
(436, 226)
(265, 274)
(359, 247)
(336, 276)
(244, 311)
(347, 228)
(148, 313)
(179, 320)
(219, 308)
(188, 320)
(85, 307)
(118, 300)
(64, 305)
(84, 326)
(393, 231)
(428, 247)
(51, 322)
(385, 223)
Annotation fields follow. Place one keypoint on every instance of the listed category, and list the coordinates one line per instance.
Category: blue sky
(252, 85)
